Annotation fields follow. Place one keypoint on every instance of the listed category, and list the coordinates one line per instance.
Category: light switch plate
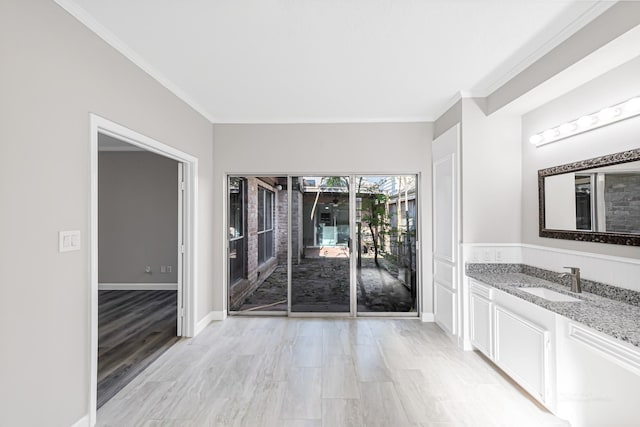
(69, 241)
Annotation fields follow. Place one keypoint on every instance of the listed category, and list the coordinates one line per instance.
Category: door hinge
(182, 248)
(182, 312)
(182, 185)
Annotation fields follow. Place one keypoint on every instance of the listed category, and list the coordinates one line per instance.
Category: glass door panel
(257, 265)
(320, 244)
(386, 232)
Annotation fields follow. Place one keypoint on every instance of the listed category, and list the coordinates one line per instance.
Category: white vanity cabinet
(581, 375)
(598, 378)
(517, 336)
(481, 317)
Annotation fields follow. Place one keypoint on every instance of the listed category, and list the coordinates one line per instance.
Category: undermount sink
(550, 295)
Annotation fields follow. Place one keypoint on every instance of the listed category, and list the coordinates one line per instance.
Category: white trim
(103, 148)
(484, 89)
(82, 422)
(557, 250)
(583, 254)
(622, 355)
(473, 245)
(427, 317)
(107, 127)
(137, 286)
(450, 103)
(206, 320)
(111, 39)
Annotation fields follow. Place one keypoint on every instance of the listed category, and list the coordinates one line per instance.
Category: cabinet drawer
(483, 290)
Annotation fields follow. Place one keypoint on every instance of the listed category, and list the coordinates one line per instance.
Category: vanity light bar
(604, 117)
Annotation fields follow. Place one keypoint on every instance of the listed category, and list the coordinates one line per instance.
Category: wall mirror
(594, 200)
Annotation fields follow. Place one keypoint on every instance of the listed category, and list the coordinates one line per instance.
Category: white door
(446, 224)
(180, 246)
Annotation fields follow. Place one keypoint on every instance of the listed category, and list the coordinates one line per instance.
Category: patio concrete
(321, 284)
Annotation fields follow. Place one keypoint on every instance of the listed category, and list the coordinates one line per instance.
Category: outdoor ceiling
(314, 61)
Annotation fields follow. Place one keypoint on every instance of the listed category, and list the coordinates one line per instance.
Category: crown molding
(486, 88)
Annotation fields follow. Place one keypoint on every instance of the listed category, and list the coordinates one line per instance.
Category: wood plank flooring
(321, 372)
(134, 329)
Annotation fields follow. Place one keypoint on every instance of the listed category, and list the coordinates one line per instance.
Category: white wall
(560, 201)
(611, 88)
(54, 73)
(310, 149)
(491, 174)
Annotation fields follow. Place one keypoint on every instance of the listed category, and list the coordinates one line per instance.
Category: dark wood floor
(134, 329)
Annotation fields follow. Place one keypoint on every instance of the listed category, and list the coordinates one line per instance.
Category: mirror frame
(627, 239)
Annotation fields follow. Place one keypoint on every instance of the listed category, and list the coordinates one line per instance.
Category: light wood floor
(134, 329)
(321, 372)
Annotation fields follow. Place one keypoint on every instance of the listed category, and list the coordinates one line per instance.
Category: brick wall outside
(281, 232)
(622, 202)
(256, 274)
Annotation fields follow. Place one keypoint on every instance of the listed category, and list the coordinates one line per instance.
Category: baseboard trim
(210, 317)
(428, 317)
(137, 286)
(82, 422)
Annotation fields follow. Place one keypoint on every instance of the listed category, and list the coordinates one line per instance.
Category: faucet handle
(574, 270)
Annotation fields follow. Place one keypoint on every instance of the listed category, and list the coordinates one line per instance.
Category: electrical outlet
(163, 269)
(169, 269)
(147, 269)
(488, 255)
(69, 241)
(475, 255)
(499, 255)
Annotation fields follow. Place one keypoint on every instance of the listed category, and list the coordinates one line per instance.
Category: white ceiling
(314, 61)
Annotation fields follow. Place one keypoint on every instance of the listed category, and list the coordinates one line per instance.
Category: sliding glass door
(331, 245)
(386, 236)
(320, 245)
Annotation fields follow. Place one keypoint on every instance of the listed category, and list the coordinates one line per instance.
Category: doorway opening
(142, 253)
(352, 243)
(139, 211)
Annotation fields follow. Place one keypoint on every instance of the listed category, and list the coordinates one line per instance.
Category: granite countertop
(611, 317)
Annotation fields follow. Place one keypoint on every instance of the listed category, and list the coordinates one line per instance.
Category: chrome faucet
(575, 279)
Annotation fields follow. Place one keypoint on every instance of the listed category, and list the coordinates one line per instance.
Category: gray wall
(54, 73)
(137, 217)
(312, 149)
(491, 174)
(611, 88)
(448, 119)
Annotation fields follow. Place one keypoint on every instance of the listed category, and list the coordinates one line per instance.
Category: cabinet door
(445, 308)
(481, 324)
(521, 350)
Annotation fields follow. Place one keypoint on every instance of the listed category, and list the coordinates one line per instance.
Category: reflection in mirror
(593, 200)
(605, 199)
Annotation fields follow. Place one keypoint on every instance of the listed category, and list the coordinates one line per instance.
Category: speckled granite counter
(615, 318)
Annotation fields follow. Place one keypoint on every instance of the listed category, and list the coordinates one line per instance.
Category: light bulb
(633, 105)
(535, 139)
(566, 128)
(608, 113)
(550, 133)
(586, 121)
